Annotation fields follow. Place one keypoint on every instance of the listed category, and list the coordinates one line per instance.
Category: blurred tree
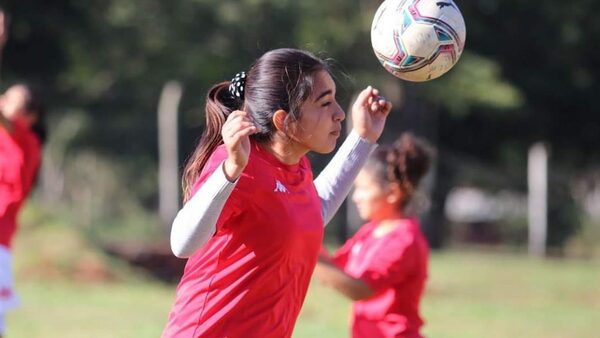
(529, 72)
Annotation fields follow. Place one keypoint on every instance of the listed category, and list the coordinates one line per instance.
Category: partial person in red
(21, 135)
(253, 220)
(383, 267)
(22, 105)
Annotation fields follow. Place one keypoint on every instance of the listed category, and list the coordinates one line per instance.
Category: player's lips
(336, 132)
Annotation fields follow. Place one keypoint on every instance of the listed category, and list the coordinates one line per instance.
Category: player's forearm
(335, 181)
(332, 276)
(196, 222)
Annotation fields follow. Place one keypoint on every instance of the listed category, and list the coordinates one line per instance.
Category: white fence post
(168, 165)
(537, 179)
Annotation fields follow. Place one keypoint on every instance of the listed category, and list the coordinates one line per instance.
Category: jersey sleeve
(32, 150)
(214, 163)
(212, 203)
(395, 261)
(335, 181)
(340, 258)
(11, 172)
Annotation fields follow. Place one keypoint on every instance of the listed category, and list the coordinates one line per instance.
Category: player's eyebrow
(325, 93)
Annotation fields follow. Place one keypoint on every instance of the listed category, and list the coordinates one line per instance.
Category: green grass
(70, 290)
(71, 310)
(500, 295)
(474, 294)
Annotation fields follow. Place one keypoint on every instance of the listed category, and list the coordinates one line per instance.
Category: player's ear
(279, 120)
(394, 195)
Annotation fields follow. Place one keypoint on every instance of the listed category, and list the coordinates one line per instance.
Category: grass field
(71, 290)
(469, 294)
(480, 295)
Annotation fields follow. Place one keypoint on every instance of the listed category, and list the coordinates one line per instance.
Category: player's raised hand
(369, 113)
(235, 132)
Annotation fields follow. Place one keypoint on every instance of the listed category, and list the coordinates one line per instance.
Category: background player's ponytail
(405, 162)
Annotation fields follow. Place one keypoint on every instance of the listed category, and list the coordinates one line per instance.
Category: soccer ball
(418, 40)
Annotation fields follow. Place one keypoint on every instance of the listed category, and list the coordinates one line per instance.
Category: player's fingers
(364, 96)
(231, 133)
(243, 126)
(233, 142)
(246, 124)
(237, 120)
(384, 110)
(245, 132)
(374, 106)
(388, 107)
(238, 115)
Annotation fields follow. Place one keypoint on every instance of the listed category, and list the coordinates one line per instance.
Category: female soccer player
(383, 267)
(21, 136)
(253, 221)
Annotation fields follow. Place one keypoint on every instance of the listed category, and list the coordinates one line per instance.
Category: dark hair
(404, 162)
(35, 105)
(280, 79)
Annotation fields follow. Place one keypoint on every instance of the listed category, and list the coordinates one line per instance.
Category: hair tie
(236, 88)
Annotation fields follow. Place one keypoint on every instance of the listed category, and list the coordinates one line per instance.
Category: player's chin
(326, 146)
(363, 213)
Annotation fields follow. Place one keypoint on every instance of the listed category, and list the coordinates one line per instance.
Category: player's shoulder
(406, 231)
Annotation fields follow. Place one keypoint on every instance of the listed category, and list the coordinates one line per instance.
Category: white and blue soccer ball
(418, 40)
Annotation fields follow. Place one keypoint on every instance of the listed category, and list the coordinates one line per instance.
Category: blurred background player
(22, 133)
(383, 267)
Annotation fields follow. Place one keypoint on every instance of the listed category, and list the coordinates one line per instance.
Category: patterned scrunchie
(236, 88)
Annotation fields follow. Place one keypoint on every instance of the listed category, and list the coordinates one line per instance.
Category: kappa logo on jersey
(279, 187)
(356, 248)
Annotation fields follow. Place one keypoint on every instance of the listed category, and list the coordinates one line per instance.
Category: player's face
(321, 117)
(372, 200)
(13, 103)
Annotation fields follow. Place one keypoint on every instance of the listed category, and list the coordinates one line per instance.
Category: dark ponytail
(36, 104)
(219, 105)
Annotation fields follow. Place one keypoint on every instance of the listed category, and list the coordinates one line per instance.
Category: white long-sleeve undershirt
(196, 222)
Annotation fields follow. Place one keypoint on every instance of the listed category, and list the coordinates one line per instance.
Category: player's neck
(384, 215)
(286, 151)
(5, 123)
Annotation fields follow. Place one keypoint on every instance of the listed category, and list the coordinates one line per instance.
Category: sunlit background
(92, 256)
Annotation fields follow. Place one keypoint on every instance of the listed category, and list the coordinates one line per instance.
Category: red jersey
(251, 277)
(20, 154)
(11, 164)
(395, 267)
(31, 147)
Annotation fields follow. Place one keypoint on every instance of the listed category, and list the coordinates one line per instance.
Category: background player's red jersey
(395, 267)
